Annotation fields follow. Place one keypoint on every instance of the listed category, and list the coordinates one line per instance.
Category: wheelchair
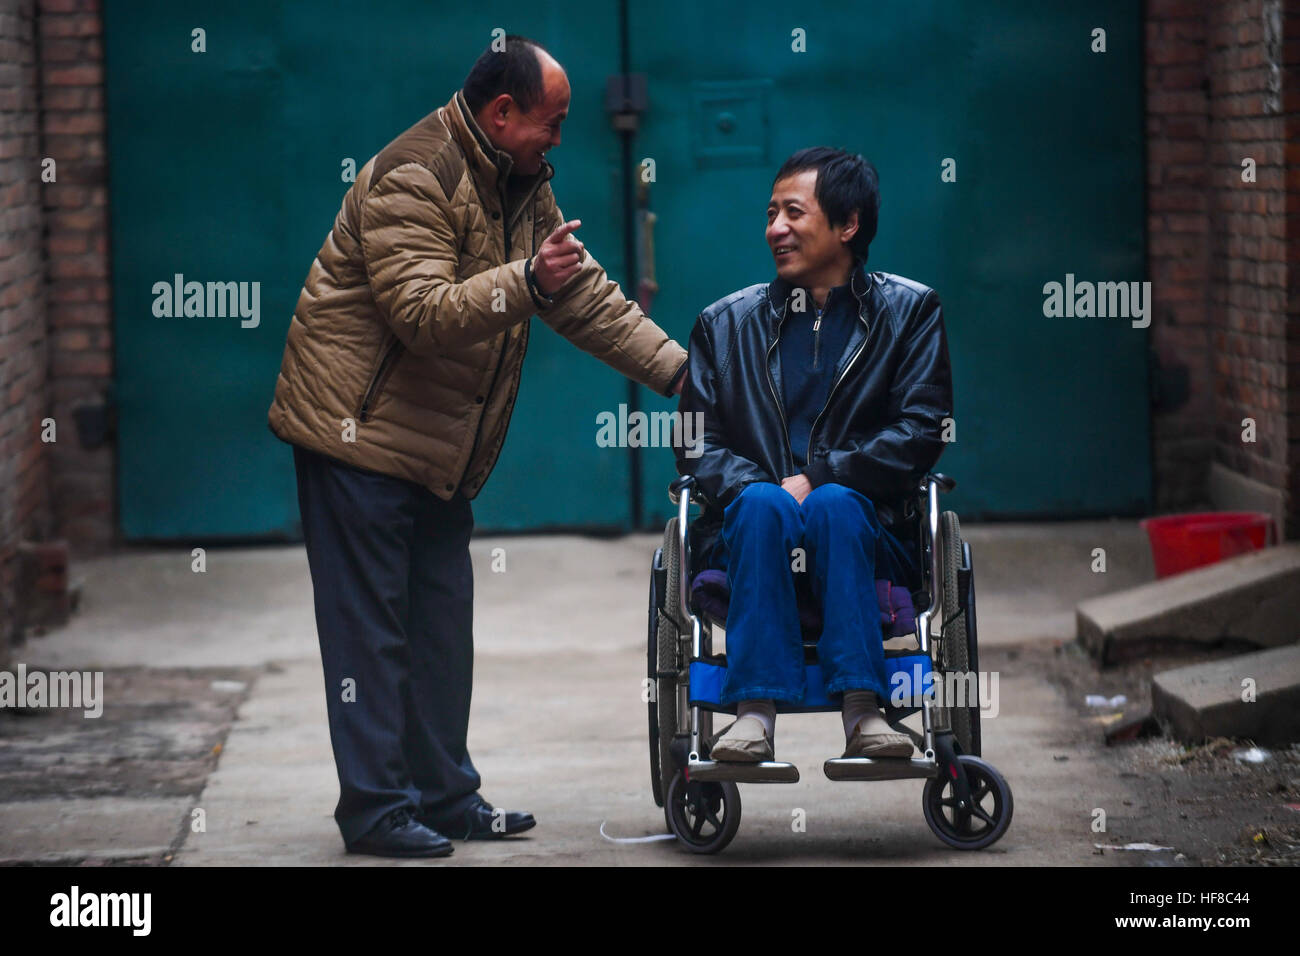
(965, 801)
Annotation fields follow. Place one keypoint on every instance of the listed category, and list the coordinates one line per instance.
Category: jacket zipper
(785, 427)
(496, 372)
(505, 345)
(812, 432)
(478, 432)
(817, 341)
(505, 225)
(376, 381)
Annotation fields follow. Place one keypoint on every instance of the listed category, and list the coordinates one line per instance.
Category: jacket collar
(779, 292)
(490, 166)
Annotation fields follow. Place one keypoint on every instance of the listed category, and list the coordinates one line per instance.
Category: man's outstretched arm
(590, 310)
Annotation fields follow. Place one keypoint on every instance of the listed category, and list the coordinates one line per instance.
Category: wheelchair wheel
(954, 647)
(667, 663)
(652, 671)
(983, 822)
(672, 564)
(703, 816)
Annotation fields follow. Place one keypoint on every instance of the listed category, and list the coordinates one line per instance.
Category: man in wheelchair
(823, 396)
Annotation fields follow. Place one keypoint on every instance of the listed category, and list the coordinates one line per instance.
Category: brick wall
(1220, 92)
(24, 474)
(55, 333)
(1247, 240)
(1178, 251)
(1291, 156)
(76, 218)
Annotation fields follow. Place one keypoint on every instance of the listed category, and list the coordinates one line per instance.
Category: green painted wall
(225, 166)
(1052, 414)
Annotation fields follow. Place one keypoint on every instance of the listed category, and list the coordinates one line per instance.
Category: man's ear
(496, 111)
(850, 228)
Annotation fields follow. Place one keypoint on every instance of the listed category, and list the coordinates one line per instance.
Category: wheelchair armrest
(944, 482)
(684, 482)
(681, 493)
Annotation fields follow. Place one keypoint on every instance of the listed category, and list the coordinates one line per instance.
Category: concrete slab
(104, 828)
(1206, 700)
(1252, 600)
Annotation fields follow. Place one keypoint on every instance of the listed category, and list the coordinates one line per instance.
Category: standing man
(398, 380)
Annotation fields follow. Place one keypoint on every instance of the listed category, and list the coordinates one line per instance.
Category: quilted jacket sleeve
(886, 466)
(719, 472)
(591, 311)
(410, 240)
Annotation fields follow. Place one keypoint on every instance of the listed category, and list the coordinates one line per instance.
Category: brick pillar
(1224, 250)
(24, 462)
(1291, 113)
(1178, 250)
(1248, 239)
(76, 214)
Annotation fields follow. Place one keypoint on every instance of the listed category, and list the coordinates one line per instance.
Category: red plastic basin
(1182, 542)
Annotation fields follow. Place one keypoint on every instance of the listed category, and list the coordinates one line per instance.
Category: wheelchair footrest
(734, 771)
(884, 768)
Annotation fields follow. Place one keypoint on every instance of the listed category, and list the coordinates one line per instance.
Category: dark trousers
(393, 584)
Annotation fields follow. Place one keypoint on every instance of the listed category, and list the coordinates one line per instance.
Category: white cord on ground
(644, 839)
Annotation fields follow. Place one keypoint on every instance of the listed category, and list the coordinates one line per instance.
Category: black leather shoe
(399, 835)
(481, 821)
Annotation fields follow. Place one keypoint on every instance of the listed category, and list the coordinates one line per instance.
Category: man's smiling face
(527, 136)
(803, 242)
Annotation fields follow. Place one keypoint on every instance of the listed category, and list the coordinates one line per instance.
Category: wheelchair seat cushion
(712, 595)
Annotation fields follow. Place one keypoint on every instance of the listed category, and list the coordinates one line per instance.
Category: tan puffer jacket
(413, 321)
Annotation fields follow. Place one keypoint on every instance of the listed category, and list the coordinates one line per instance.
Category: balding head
(519, 95)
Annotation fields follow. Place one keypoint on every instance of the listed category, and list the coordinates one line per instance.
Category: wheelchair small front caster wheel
(703, 816)
(986, 817)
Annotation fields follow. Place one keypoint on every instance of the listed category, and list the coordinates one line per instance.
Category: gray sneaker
(743, 741)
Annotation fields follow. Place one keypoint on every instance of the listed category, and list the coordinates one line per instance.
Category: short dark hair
(516, 70)
(845, 182)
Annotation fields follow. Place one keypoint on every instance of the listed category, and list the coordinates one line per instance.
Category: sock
(857, 704)
(764, 711)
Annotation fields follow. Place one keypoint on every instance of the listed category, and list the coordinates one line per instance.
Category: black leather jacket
(881, 429)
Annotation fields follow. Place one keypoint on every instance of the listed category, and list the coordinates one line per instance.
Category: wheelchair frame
(693, 789)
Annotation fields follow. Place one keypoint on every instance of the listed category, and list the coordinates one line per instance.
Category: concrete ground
(558, 726)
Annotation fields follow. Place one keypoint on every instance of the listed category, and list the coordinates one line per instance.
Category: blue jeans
(843, 544)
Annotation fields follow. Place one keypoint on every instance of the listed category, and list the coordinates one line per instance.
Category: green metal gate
(226, 166)
(1051, 414)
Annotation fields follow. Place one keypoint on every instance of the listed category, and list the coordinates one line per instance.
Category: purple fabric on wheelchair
(712, 595)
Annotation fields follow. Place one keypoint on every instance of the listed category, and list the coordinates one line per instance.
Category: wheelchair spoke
(713, 819)
(698, 826)
(979, 812)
